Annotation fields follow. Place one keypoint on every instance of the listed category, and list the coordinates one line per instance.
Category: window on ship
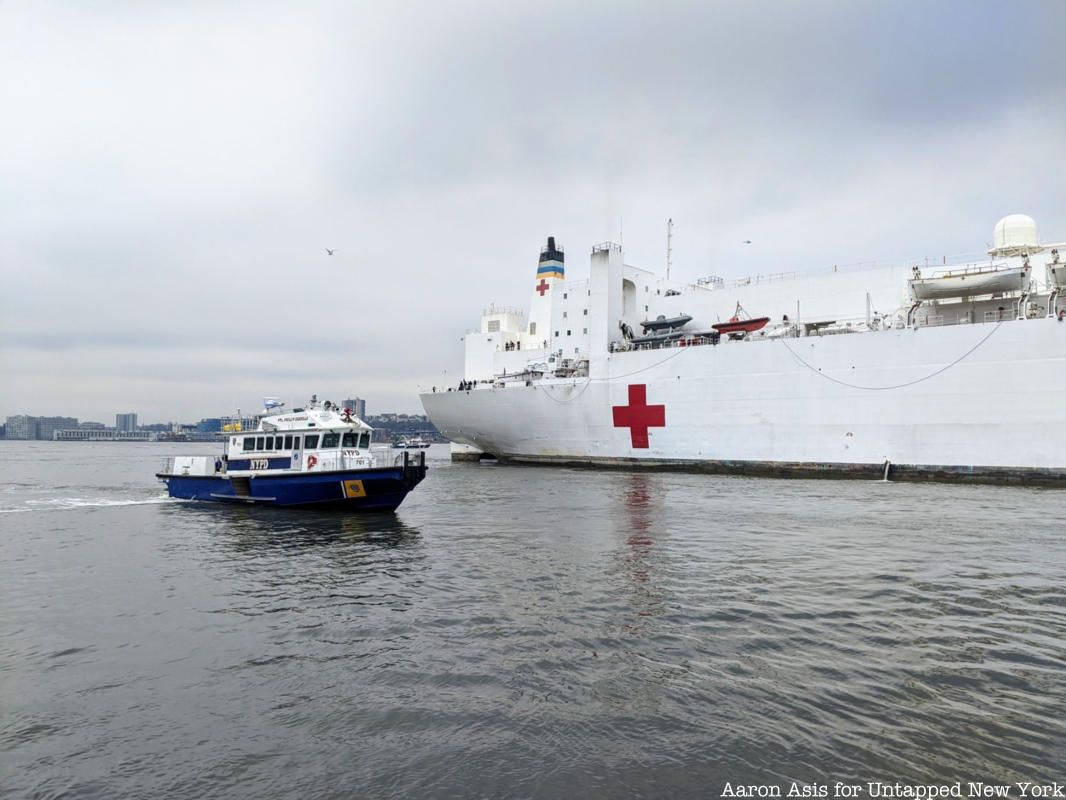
(350, 439)
(364, 440)
(330, 440)
(270, 443)
(311, 441)
(249, 443)
(288, 443)
(259, 442)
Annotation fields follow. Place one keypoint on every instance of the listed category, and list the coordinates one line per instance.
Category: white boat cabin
(322, 437)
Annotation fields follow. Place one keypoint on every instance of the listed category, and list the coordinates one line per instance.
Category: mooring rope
(943, 369)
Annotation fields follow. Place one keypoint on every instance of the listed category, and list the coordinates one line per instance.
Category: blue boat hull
(349, 490)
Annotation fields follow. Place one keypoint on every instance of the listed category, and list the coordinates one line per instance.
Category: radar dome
(1014, 235)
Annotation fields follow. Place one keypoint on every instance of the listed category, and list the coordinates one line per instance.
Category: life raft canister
(312, 461)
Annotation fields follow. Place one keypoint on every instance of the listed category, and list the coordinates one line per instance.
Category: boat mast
(669, 245)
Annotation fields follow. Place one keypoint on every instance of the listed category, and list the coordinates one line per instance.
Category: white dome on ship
(1014, 234)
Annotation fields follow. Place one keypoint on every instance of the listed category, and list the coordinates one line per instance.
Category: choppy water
(522, 632)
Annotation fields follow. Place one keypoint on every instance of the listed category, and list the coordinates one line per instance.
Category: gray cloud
(175, 172)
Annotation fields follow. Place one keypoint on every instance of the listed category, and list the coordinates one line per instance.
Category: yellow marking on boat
(353, 489)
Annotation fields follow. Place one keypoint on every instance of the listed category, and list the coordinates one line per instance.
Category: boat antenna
(669, 245)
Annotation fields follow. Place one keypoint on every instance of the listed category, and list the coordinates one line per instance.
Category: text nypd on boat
(878, 789)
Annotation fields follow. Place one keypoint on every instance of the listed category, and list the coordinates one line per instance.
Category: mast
(669, 245)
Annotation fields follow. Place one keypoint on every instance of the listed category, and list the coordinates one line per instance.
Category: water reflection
(276, 529)
(642, 509)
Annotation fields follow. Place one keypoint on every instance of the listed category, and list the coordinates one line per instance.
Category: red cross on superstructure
(542, 287)
(638, 416)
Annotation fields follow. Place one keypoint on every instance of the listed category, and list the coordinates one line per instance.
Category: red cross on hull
(638, 416)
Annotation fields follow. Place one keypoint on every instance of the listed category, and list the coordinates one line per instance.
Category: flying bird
(330, 252)
(747, 241)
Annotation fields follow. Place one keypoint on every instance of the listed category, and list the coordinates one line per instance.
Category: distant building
(105, 435)
(21, 427)
(47, 426)
(125, 423)
(92, 426)
(209, 425)
(26, 427)
(357, 405)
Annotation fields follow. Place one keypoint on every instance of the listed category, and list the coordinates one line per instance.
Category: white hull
(983, 401)
(852, 374)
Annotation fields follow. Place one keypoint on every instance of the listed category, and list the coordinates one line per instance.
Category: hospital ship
(955, 372)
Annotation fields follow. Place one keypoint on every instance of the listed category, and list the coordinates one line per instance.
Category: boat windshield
(330, 440)
(351, 439)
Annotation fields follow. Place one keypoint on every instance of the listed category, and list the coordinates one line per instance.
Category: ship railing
(965, 318)
(756, 280)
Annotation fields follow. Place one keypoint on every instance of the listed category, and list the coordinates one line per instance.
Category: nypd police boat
(314, 457)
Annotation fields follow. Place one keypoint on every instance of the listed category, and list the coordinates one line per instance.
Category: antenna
(621, 239)
(669, 245)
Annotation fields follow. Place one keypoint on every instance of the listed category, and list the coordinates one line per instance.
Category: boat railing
(340, 459)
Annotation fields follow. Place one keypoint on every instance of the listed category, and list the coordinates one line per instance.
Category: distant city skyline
(40, 427)
(110, 419)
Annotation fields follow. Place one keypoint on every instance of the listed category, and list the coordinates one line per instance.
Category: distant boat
(314, 457)
(411, 443)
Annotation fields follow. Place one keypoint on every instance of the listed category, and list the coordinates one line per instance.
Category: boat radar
(1015, 235)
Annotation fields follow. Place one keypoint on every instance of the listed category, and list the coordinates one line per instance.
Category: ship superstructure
(914, 371)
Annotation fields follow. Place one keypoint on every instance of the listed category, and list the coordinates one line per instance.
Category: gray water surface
(522, 632)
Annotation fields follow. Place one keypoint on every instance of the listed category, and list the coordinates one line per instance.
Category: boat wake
(68, 503)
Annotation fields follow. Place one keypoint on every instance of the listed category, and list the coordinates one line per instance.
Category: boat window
(350, 439)
(364, 440)
(330, 439)
(288, 443)
(311, 442)
(259, 442)
(249, 443)
(295, 442)
(270, 443)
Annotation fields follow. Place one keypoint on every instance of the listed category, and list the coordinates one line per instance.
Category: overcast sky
(170, 173)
